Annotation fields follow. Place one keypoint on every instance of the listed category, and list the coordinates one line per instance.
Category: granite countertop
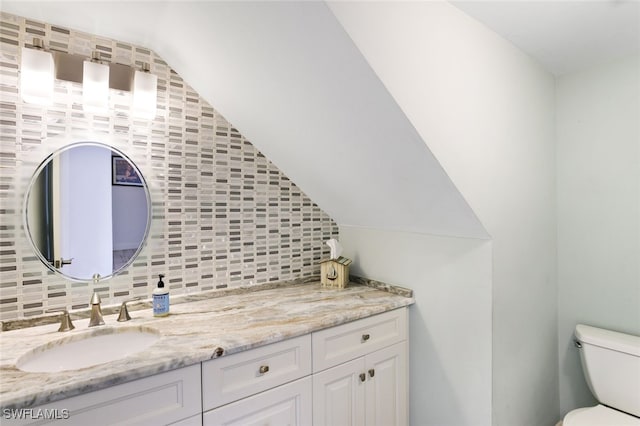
(195, 331)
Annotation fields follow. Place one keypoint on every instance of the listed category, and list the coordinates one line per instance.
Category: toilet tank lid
(614, 340)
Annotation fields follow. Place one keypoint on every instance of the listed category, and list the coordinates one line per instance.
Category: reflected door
(82, 201)
(41, 225)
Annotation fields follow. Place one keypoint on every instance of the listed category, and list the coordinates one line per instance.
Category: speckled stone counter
(195, 331)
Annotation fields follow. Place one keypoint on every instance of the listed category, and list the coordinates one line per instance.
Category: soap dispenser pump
(160, 299)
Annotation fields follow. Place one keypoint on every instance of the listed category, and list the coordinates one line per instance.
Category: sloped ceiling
(564, 36)
(291, 80)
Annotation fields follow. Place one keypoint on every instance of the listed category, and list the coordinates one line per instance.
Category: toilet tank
(611, 365)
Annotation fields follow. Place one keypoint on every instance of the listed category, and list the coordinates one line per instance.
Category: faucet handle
(124, 312)
(65, 319)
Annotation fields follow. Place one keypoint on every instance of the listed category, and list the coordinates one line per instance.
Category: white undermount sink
(85, 350)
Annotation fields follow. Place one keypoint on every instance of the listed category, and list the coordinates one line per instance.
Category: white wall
(450, 324)
(487, 113)
(598, 136)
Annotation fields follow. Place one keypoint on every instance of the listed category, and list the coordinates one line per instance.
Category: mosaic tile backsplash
(222, 214)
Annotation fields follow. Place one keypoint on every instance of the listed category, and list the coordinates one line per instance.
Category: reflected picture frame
(123, 173)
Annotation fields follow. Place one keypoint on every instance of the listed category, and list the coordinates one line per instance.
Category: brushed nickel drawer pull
(363, 377)
(264, 369)
(365, 337)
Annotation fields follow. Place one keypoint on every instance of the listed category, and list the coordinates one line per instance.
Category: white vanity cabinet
(360, 372)
(173, 397)
(351, 374)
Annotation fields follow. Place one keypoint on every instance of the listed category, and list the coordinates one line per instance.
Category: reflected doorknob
(60, 263)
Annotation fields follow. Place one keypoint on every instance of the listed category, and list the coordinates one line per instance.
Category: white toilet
(611, 365)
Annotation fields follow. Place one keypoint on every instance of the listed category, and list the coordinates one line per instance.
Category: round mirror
(87, 211)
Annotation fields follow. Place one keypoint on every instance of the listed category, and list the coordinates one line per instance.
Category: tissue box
(335, 272)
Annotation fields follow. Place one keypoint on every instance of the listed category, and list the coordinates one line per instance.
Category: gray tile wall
(223, 214)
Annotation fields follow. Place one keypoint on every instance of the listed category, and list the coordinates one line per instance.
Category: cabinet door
(286, 405)
(339, 395)
(386, 390)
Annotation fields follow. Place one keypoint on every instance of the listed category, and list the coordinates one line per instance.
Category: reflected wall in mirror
(83, 215)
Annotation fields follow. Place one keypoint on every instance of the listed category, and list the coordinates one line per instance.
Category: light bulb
(95, 87)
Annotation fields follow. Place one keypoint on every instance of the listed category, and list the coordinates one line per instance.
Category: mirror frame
(25, 210)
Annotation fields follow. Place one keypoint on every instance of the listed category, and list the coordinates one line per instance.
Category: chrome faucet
(96, 311)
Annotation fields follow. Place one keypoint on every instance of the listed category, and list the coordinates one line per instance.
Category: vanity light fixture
(145, 92)
(95, 85)
(37, 68)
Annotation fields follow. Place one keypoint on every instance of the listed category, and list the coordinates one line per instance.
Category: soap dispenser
(160, 299)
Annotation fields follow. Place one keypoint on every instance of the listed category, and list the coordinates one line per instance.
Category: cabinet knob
(365, 337)
(372, 372)
(264, 369)
(363, 377)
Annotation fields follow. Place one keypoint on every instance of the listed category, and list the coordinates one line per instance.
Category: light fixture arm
(95, 57)
(37, 43)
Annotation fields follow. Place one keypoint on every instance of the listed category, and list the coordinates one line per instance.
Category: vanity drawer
(345, 342)
(239, 375)
(161, 399)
